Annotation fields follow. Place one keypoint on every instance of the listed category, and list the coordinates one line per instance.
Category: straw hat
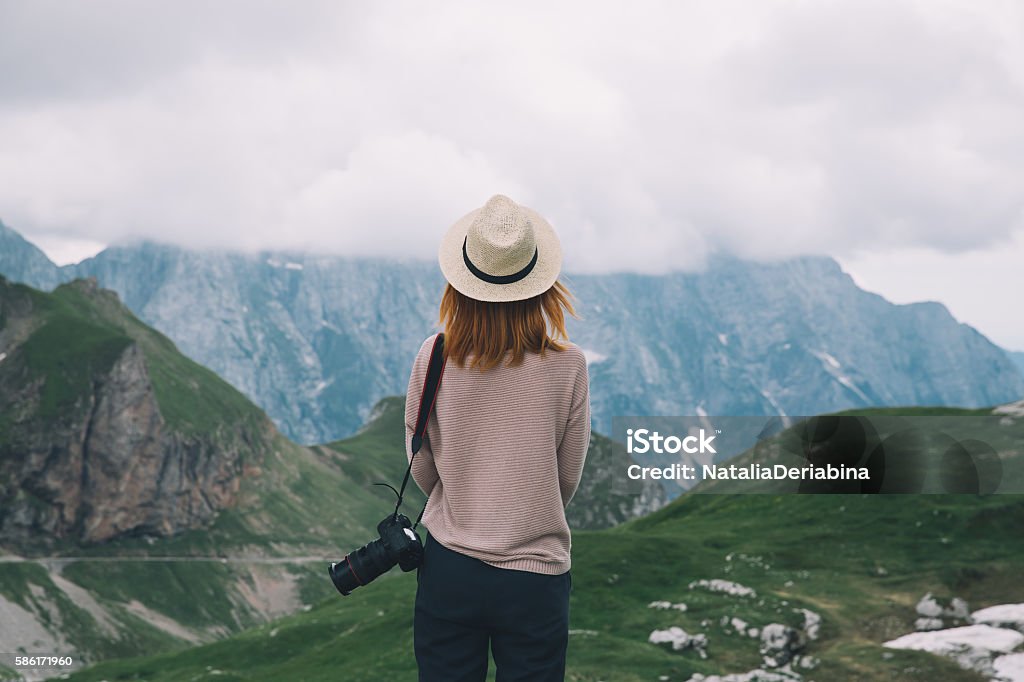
(501, 252)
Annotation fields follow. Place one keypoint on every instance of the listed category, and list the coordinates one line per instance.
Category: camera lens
(361, 567)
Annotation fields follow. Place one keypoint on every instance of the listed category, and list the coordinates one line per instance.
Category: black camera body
(398, 544)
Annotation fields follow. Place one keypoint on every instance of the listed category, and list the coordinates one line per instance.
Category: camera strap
(428, 396)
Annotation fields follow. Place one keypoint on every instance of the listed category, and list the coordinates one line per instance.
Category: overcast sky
(887, 134)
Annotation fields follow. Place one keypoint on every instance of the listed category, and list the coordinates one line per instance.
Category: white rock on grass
(1009, 668)
(780, 644)
(809, 662)
(736, 624)
(666, 605)
(1002, 616)
(925, 624)
(680, 640)
(973, 647)
(725, 586)
(1011, 409)
(812, 623)
(929, 607)
(956, 609)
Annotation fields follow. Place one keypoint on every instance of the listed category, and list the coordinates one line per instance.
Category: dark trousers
(463, 605)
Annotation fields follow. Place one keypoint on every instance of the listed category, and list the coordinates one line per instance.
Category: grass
(69, 369)
(30, 587)
(860, 561)
(193, 594)
(193, 400)
(79, 332)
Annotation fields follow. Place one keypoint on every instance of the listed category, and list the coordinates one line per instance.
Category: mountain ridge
(318, 340)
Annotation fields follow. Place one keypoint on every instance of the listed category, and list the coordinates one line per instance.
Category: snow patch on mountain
(833, 366)
(774, 403)
(827, 358)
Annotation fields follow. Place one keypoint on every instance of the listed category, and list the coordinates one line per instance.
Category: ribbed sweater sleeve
(572, 450)
(503, 454)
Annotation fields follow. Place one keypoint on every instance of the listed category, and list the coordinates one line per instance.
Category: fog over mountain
(316, 341)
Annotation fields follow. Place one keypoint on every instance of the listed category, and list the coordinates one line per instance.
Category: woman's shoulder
(423, 354)
(572, 350)
(428, 343)
(570, 354)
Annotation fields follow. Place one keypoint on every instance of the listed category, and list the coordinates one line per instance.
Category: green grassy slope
(305, 504)
(860, 561)
(80, 330)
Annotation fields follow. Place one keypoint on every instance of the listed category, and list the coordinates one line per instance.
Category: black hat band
(497, 279)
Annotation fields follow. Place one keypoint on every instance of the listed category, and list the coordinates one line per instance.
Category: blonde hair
(487, 330)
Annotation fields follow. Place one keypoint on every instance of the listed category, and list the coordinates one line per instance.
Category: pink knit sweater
(502, 456)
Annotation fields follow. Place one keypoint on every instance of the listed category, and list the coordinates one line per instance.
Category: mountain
(316, 341)
(22, 261)
(796, 337)
(826, 579)
(92, 401)
(116, 451)
(146, 505)
(1017, 357)
(742, 338)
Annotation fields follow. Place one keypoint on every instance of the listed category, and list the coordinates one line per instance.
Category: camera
(398, 544)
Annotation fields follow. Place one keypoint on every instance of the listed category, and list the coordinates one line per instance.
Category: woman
(503, 454)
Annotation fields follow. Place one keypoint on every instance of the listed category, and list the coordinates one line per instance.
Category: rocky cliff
(87, 451)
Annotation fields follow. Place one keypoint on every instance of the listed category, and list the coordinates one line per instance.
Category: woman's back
(507, 444)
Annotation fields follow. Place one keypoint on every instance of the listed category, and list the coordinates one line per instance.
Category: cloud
(980, 287)
(651, 134)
